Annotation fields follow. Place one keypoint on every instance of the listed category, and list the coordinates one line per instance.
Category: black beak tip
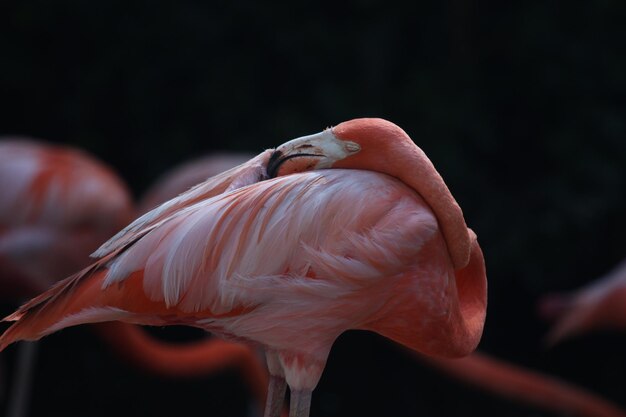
(274, 163)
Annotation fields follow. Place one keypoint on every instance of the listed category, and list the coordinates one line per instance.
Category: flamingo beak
(307, 153)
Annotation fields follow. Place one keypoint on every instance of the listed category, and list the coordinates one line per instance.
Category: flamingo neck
(389, 150)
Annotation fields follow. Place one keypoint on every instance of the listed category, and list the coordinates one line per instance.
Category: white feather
(308, 227)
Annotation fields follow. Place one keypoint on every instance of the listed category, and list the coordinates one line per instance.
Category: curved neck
(386, 148)
(417, 171)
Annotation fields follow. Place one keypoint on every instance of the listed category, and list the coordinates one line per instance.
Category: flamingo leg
(300, 403)
(18, 402)
(275, 396)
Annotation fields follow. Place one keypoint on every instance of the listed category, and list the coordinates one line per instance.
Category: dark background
(521, 108)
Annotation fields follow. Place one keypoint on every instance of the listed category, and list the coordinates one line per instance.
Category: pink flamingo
(292, 262)
(600, 304)
(58, 205)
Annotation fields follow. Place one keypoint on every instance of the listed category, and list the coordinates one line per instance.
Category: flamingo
(58, 205)
(349, 228)
(600, 304)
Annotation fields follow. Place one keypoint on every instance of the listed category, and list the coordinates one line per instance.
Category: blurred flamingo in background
(59, 204)
(181, 178)
(292, 262)
(600, 304)
(526, 386)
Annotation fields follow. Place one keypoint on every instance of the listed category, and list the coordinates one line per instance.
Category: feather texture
(377, 242)
(249, 173)
(287, 228)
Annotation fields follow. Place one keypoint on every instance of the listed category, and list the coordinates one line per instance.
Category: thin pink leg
(275, 396)
(300, 404)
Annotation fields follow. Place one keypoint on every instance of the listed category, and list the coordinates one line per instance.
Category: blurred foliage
(520, 106)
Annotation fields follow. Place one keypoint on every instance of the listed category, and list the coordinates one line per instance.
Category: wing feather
(249, 173)
(341, 227)
(294, 242)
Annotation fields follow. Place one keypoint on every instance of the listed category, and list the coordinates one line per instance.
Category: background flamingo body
(58, 205)
(525, 386)
(181, 178)
(600, 304)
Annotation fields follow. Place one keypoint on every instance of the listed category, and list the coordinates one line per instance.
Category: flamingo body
(291, 262)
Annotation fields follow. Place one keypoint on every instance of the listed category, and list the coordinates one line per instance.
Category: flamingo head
(360, 143)
(318, 151)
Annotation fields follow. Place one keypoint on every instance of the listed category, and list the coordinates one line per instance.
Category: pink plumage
(289, 263)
